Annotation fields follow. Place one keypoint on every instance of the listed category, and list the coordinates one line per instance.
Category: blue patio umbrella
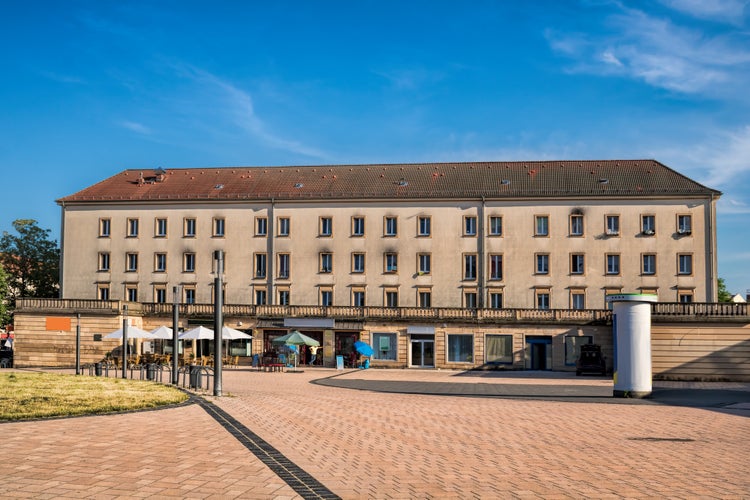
(363, 348)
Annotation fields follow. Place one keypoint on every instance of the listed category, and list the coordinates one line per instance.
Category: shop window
(460, 348)
(385, 346)
(573, 345)
(498, 349)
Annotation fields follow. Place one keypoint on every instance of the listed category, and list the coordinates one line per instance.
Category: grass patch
(41, 395)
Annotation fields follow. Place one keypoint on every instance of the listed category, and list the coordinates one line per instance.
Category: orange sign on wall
(58, 323)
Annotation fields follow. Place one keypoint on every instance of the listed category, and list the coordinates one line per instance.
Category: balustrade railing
(661, 309)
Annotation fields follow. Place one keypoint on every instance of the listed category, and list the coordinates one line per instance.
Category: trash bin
(98, 369)
(150, 371)
(196, 377)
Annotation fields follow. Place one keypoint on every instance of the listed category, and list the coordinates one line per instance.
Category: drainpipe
(712, 294)
(270, 260)
(480, 252)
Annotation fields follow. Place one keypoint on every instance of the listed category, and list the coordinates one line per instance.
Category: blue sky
(94, 87)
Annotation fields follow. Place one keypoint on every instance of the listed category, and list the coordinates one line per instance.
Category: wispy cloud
(727, 11)
(135, 127)
(237, 105)
(409, 78)
(636, 44)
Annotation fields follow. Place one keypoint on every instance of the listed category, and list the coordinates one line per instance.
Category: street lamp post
(175, 332)
(218, 320)
(125, 341)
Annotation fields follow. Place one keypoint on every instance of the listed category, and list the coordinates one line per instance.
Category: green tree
(31, 261)
(724, 295)
(4, 316)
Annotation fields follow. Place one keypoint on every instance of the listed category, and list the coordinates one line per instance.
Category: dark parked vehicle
(591, 360)
(6, 357)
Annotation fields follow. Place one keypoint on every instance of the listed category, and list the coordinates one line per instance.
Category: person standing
(313, 354)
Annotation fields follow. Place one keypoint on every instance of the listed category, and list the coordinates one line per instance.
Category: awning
(420, 330)
(309, 323)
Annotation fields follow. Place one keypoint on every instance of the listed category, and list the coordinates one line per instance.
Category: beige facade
(538, 253)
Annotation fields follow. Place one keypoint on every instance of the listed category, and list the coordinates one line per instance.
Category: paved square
(364, 444)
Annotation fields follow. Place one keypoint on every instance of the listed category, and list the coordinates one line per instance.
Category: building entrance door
(538, 353)
(422, 353)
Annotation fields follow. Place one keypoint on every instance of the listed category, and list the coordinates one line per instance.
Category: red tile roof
(491, 180)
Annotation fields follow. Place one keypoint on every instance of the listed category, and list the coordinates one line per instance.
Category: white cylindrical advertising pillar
(631, 328)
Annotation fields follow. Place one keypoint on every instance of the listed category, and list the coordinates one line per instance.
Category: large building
(545, 235)
(455, 265)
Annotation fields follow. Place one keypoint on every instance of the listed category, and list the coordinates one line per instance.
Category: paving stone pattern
(365, 444)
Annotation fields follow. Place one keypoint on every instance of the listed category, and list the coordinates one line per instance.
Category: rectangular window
(105, 227)
(358, 297)
(612, 223)
(219, 227)
(160, 262)
(131, 262)
(542, 263)
(542, 299)
(390, 226)
(160, 295)
(104, 261)
(260, 265)
(358, 226)
(498, 349)
(131, 293)
(424, 297)
(577, 263)
(496, 266)
(326, 297)
(284, 296)
(189, 295)
(496, 300)
(460, 348)
(613, 264)
(284, 226)
(283, 267)
(103, 292)
(391, 262)
(358, 262)
(189, 228)
(685, 297)
(188, 262)
(577, 299)
(541, 227)
(424, 263)
(496, 225)
(160, 229)
(684, 224)
(470, 299)
(424, 226)
(132, 228)
(573, 345)
(326, 262)
(648, 225)
(684, 263)
(261, 226)
(470, 266)
(470, 226)
(385, 346)
(391, 297)
(261, 296)
(326, 227)
(649, 263)
(576, 225)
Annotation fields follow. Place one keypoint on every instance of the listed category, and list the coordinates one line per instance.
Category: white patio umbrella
(163, 332)
(203, 333)
(133, 333)
(232, 334)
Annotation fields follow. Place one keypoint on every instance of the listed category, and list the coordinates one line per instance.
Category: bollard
(98, 369)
